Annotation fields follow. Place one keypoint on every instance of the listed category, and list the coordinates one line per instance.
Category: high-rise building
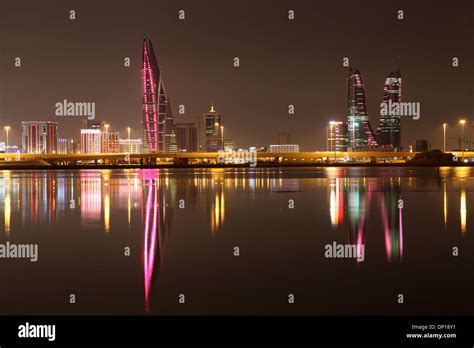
(110, 142)
(186, 136)
(388, 130)
(130, 145)
(65, 146)
(158, 125)
(211, 131)
(361, 135)
(337, 136)
(170, 142)
(40, 137)
(91, 141)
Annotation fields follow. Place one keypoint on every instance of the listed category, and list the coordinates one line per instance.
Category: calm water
(83, 220)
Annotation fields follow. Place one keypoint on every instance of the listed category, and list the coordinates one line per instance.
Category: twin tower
(159, 131)
(360, 133)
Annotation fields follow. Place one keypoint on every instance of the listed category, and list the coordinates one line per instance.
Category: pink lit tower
(159, 134)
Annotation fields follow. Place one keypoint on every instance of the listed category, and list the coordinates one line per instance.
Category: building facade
(130, 145)
(211, 131)
(337, 136)
(389, 130)
(39, 137)
(65, 146)
(110, 142)
(91, 141)
(187, 137)
(361, 135)
(157, 123)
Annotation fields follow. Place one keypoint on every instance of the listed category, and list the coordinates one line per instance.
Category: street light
(444, 136)
(7, 128)
(222, 135)
(106, 137)
(462, 122)
(129, 145)
(333, 134)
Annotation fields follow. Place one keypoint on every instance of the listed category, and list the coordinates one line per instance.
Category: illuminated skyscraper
(389, 125)
(91, 141)
(170, 142)
(158, 126)
(361, 135)
(211, 137)
(186, 135)
(39, 137)
(337, 136)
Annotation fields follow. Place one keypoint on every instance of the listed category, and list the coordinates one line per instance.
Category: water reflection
(147, 201)
(463, 211)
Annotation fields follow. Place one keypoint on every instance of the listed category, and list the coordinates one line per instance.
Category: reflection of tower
(217, 210)
(360, 130)
(357, 195)
(157, 224)
(6, 187)
(358, 201)
(91, 198)
(463, 211)
(336, 207)
(158, 125)
(392, 218)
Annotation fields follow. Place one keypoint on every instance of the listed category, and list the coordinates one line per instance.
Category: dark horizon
(283, 62)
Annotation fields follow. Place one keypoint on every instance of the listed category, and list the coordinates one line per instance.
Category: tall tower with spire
(211, 137)
(361, 135)
(389, 128)
(157, 124)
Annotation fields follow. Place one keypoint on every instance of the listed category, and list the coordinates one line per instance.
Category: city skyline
(255, 114)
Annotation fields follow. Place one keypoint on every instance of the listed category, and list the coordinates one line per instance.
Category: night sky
(282, 62)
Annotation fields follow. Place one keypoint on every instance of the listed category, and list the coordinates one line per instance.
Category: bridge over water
(186, 158)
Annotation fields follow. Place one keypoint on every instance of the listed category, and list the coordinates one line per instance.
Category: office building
(337, 136)
(211, 131)
(389, 130)
(130, 145)
(39, 137)
(158, 127)
(187, 137)
(361, 135)
(91, 141)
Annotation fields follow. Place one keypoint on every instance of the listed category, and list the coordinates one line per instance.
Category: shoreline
(210, 166)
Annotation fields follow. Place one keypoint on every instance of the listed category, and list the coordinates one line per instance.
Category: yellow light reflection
(107, 212)
(7, 213)
(463, 211)
(445, 204)
(334, 203)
